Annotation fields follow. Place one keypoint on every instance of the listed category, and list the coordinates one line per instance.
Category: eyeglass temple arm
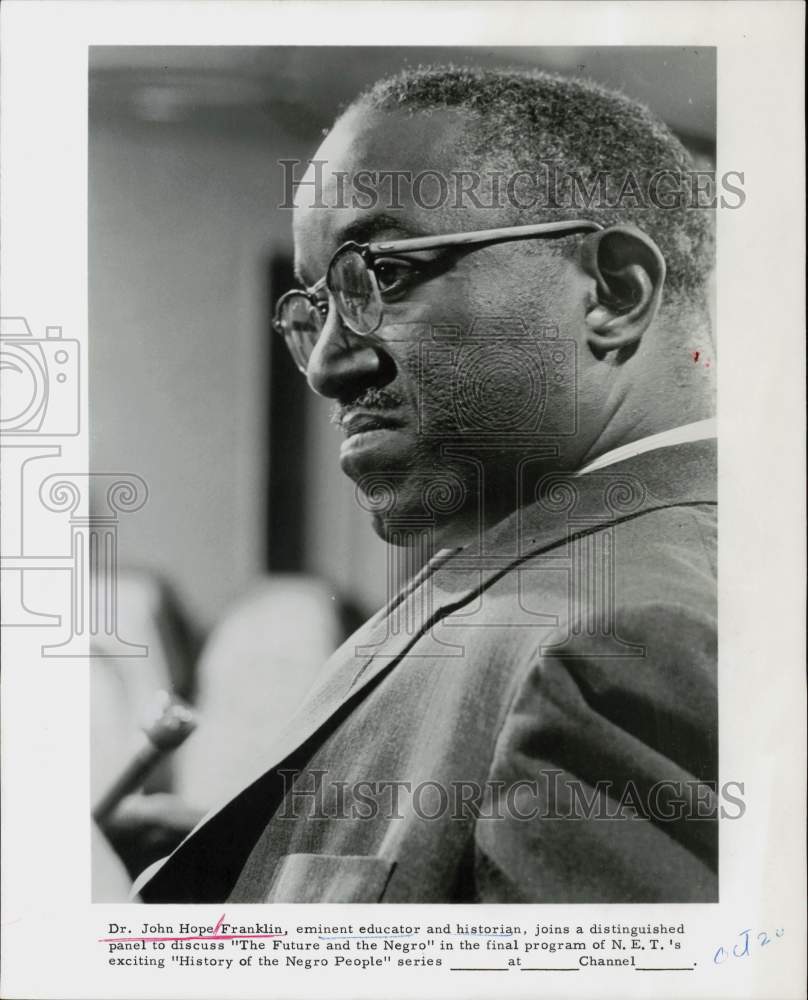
(550, 229)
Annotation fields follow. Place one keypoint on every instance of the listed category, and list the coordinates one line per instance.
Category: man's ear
(629, 272)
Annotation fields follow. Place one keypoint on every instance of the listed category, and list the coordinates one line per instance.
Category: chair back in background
(254, 670)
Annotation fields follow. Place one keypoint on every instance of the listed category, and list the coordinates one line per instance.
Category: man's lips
(360, 421)
(372, 437)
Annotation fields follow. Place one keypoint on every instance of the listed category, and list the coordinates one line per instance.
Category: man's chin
(373, 453)
(387, 532)
(381, 463)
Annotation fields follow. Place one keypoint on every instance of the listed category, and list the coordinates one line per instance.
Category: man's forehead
(394, 140)
(362, 176)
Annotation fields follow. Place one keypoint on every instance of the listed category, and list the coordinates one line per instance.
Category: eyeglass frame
(474, 239)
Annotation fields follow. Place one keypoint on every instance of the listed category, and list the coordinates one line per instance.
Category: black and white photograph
(441, 356)
(380, 519)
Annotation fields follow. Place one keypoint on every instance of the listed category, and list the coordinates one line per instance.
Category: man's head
(494, 363)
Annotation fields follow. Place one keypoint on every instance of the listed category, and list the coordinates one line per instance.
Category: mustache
(371, 398)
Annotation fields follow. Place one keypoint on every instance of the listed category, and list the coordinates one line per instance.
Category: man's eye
(393, 276)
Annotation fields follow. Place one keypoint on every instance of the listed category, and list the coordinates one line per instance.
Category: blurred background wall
(189, 388)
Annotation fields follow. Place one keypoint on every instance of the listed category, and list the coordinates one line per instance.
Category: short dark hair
(583, 129)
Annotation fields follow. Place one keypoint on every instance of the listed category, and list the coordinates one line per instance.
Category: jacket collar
(564, 504)
(699, 430)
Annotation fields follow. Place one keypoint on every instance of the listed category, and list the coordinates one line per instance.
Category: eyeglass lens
(301, 322)
(357, 299)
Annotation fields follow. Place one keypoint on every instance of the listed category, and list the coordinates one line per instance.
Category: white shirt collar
(701, 430)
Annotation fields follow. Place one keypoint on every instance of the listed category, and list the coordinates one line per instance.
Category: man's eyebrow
(363, 230)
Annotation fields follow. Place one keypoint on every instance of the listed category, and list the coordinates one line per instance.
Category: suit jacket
(534, 719)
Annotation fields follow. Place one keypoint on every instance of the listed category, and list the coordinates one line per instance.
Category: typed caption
(453, 946)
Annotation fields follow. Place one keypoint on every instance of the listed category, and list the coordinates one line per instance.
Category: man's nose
(342, 363)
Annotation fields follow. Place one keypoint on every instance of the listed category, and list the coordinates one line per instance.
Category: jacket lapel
(561, 506)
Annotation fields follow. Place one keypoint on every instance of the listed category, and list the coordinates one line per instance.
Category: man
(525, 391)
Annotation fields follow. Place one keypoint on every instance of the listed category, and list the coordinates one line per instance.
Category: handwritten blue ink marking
(745, 945)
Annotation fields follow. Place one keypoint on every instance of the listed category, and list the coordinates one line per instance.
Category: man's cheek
(479, 389)
(437, 405)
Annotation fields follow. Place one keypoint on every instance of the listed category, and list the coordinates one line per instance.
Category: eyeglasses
(357, 281)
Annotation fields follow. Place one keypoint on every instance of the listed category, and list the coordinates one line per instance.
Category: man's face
(463, 382)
